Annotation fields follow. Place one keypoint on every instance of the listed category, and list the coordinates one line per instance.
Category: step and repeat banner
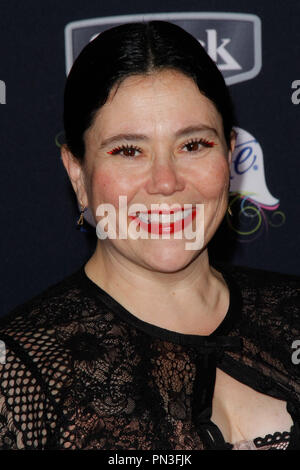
(256, 47)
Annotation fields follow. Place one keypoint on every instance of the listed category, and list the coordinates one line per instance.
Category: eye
(195, 145)
(128, 151)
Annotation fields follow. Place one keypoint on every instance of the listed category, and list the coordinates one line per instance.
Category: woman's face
(157, 140)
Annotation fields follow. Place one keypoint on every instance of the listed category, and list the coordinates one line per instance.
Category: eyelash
(117, 150)
(120, 148)
(204, 142)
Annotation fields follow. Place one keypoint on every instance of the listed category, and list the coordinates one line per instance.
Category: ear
(75, 171)
(233, 136)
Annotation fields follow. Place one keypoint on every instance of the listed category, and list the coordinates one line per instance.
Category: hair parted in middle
(137, 49)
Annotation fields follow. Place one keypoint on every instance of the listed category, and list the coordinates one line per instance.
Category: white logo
(233, 40)
(253, 206)
(217, 52)
(248, 173)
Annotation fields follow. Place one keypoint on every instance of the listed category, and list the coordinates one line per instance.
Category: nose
(164, 179)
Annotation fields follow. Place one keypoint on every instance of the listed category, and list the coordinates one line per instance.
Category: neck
(109, 267)
(158, 297)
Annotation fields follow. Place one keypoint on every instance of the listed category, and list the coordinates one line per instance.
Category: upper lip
(164, 211)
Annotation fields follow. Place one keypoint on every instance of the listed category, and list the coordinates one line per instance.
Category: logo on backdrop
(233, 40)
(2, 92)
(251, 199)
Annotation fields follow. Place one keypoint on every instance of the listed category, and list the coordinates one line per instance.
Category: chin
(167, 257)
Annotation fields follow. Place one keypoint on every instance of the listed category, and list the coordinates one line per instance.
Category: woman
(148, 346)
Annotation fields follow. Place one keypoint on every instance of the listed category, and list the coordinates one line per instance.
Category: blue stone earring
(80, 221)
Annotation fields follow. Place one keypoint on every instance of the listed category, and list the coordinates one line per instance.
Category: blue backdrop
(260, 59)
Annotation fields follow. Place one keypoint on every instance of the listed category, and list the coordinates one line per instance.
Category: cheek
(107, 185)
(212, 180)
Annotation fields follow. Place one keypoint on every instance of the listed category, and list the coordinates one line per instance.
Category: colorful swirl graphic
(249, 219)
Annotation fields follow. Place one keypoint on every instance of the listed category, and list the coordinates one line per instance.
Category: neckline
(223, 329)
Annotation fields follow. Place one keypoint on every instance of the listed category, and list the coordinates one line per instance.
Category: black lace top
(78, 371)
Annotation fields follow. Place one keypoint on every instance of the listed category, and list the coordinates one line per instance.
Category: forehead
(163, 100)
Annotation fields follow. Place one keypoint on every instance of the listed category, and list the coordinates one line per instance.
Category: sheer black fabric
(81, 372)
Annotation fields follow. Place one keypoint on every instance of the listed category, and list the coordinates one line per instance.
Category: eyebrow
(138, 137)
(118, 137)
(194, 129)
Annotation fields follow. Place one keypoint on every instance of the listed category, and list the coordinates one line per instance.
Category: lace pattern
(276, 441)
(83, 373)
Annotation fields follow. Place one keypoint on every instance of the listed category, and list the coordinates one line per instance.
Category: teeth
(143, 217)
(164, 218)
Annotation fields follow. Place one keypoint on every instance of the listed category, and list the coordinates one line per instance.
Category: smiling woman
(177, 155)
(148, 346)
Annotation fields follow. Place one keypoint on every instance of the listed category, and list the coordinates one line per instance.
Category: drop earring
(80, 221)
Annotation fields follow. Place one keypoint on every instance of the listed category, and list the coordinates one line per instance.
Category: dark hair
(135, 49)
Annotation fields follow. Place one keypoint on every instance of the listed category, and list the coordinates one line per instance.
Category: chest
(242, 413)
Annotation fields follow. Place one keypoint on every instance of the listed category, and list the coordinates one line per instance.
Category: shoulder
(64, 323)
(35, 366)
(266, 290)
(68, 300)
(41, 332)
(43, 340)
(268, 322)
(268, 306)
